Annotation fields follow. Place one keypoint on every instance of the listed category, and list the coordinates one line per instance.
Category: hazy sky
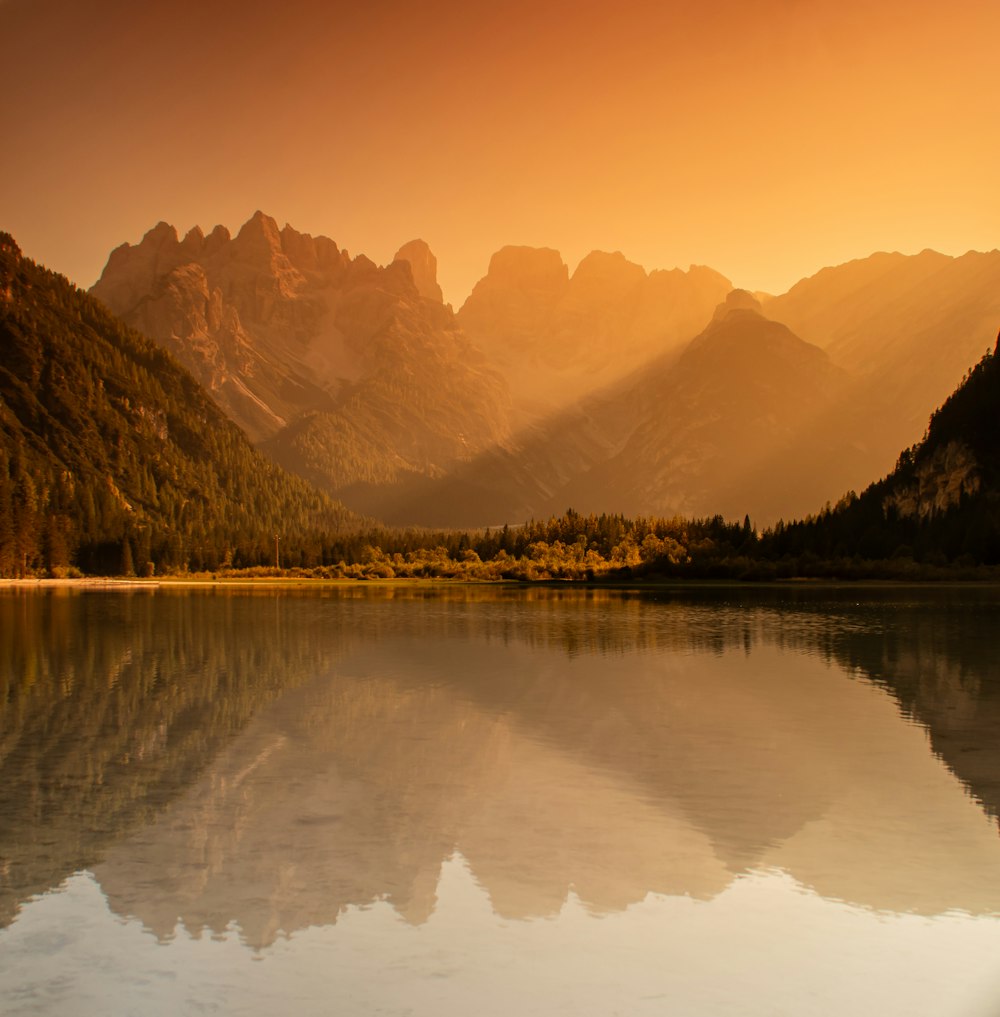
(765, 138)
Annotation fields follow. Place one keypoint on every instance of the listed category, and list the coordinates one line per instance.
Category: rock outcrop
(557, 337)
(942, 479)
(516, 299)
(737, 302)
(345, 371)
(423, 265)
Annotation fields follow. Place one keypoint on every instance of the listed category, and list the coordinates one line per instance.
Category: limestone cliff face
(516, 299)
(950, 472)
(243, 313)
(418, 255)
(346, 371)
(557, 337)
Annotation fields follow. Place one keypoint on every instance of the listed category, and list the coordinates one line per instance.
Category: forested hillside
(941, 504)
(113, 458)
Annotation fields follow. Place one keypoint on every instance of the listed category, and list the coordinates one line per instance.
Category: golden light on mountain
(764, 140)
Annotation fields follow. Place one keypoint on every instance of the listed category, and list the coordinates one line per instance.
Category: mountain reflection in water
(274, 758)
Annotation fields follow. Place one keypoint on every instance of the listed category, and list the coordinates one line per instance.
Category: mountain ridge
(361, 379)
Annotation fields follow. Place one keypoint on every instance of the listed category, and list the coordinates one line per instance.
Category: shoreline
(636, 585)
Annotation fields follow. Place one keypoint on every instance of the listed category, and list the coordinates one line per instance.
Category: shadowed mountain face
(743, 391)
(615, 745)
(347, 372)
(747, 419)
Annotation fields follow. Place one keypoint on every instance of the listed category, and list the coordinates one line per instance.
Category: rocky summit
(418, 255)
(348, 372)
(557, 337)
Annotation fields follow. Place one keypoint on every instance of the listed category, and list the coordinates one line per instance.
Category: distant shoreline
(95, 581)
(109, 584)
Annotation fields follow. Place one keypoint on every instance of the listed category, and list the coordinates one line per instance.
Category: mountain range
(609, 388)
(359, 379)
(345, 372)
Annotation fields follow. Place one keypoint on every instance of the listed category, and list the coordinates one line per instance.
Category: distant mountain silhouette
(907, 327)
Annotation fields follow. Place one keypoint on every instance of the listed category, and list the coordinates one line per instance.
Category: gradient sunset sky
(766, 139)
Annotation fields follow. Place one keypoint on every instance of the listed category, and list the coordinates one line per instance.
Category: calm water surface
(470, 800)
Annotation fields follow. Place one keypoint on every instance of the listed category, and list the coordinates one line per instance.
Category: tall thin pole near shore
(277, 563)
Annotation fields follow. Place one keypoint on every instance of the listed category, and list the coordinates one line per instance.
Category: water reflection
(274, 759)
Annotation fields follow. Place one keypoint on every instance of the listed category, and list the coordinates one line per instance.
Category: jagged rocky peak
(423, 265)
(598, 307)
(194, 241)
(161, 235)
(312, 254)
(133, 270)
(217, 239)
(604, 284)
(258, 237)
(738, 301)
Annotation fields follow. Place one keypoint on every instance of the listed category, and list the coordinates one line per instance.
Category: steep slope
(113, 456)
(907, 326)
(748, 419)
(348, 372)
(942, 501)
(742, 395)
(557, 337)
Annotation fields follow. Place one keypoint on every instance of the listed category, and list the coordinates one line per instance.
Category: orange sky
(765, 138)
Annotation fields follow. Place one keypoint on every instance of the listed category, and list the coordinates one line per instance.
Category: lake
(452, 800)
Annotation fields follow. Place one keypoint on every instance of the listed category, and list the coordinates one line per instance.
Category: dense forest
(114, 460)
